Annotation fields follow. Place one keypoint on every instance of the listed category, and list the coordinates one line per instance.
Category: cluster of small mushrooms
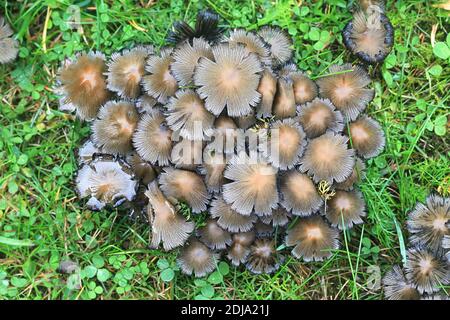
(427, 266)
(222, 125)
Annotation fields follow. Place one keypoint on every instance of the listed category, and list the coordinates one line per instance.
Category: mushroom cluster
(427, 266)
(226, 126)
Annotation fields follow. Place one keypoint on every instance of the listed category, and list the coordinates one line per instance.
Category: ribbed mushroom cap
(396, 287)
(370, 35)
(160, 83)
(114, 127)
(9, 47)
(358, 174)
(153, 139)
(214, 236)
(286, 144)
(318, 116)
(299, 194)
(345, 86)
(238, 253)
(446, 244)
(142, 169)
(426, 270)
(83, 85)
(87, 152)
(213, 167)
(428, 224)
(305, 89)
(267, 88)
(367, 137)
(125, 71)
(284, 100)
(313, 238)
(230, 81)
(253, 185)
(206, 27)
(252, 43)
(345, 209)
(105, 181)
(228, 218)
(263, 257)
(240, 248)
(184, 185)
(146, 104)
(328, 158)
(196, 258)
(279, 218)
(187, 154)
(187, 114)
(186, 57)
(280, 44)
(168, 226)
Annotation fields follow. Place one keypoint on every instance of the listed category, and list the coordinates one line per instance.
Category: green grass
(42, 223)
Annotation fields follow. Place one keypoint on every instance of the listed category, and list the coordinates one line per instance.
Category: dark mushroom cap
(142, 169)
(396, 287)
(284, 100)
(279, 218)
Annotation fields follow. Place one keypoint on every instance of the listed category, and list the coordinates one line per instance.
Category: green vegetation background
(42, 224)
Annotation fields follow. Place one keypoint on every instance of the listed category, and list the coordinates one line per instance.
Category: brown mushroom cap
(313, 239)
(328, 158)
(396, 287)
(125, 71)
(153, 139)
(160, 83)
(345, 86)
(114, 127)
(263, 257)
(319, 116)
(428, 224)
(280, 44)
(367, 137)
(196, 258)
(228, 218)
(83, 85)
(230, 80)
(214, 236)
(251, 42)
(358, 174)
(345, 209)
